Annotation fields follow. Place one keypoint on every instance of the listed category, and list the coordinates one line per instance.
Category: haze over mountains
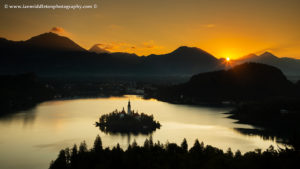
(288, 66)
(49, 54)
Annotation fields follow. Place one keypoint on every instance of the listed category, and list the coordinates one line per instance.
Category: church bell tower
(129, 108)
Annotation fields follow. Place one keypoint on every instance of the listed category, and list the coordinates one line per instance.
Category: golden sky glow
(224, 28)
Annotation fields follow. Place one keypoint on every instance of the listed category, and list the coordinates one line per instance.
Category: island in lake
(130, 122)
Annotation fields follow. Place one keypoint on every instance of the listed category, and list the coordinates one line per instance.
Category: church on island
(130, 122)
(129, 111)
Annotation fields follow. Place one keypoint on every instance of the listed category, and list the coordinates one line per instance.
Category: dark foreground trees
(171, 156)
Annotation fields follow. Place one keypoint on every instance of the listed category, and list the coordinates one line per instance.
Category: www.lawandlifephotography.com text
(54, 6)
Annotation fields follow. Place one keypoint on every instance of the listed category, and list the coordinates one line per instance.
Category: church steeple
(129, 108)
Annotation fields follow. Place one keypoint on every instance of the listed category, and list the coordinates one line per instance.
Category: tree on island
(121, 122)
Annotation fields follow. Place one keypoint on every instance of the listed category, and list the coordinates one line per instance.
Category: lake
(31, 139)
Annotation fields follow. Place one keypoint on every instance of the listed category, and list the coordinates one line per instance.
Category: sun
(227, 62)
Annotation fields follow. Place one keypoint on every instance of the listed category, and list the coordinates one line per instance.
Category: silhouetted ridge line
(288, 66)
(53, 41)
(243, 82)
(49, 54)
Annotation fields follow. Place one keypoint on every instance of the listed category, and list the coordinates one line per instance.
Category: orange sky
(224, 28)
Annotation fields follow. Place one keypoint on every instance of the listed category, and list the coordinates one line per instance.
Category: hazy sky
(224, 28)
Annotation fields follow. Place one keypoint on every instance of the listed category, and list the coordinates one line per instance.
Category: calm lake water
(31, 139)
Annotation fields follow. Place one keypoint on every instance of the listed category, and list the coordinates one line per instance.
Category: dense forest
(172, 156)
(23, 91)
(248, 81)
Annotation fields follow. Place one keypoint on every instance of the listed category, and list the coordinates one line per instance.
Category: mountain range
(289, 66)
(50, 54)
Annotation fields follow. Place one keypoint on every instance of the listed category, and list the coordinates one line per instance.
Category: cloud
(114, 27)
(143, 48)
(108, 46)
(150, 44)
(57, 29)
(209, 25)
(60, 31)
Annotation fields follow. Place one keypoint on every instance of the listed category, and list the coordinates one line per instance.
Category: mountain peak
(44, 35)
(250, 56)
(185, 49)
(98, 49)
(194, 52)
(268, 55)
(53, 41)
